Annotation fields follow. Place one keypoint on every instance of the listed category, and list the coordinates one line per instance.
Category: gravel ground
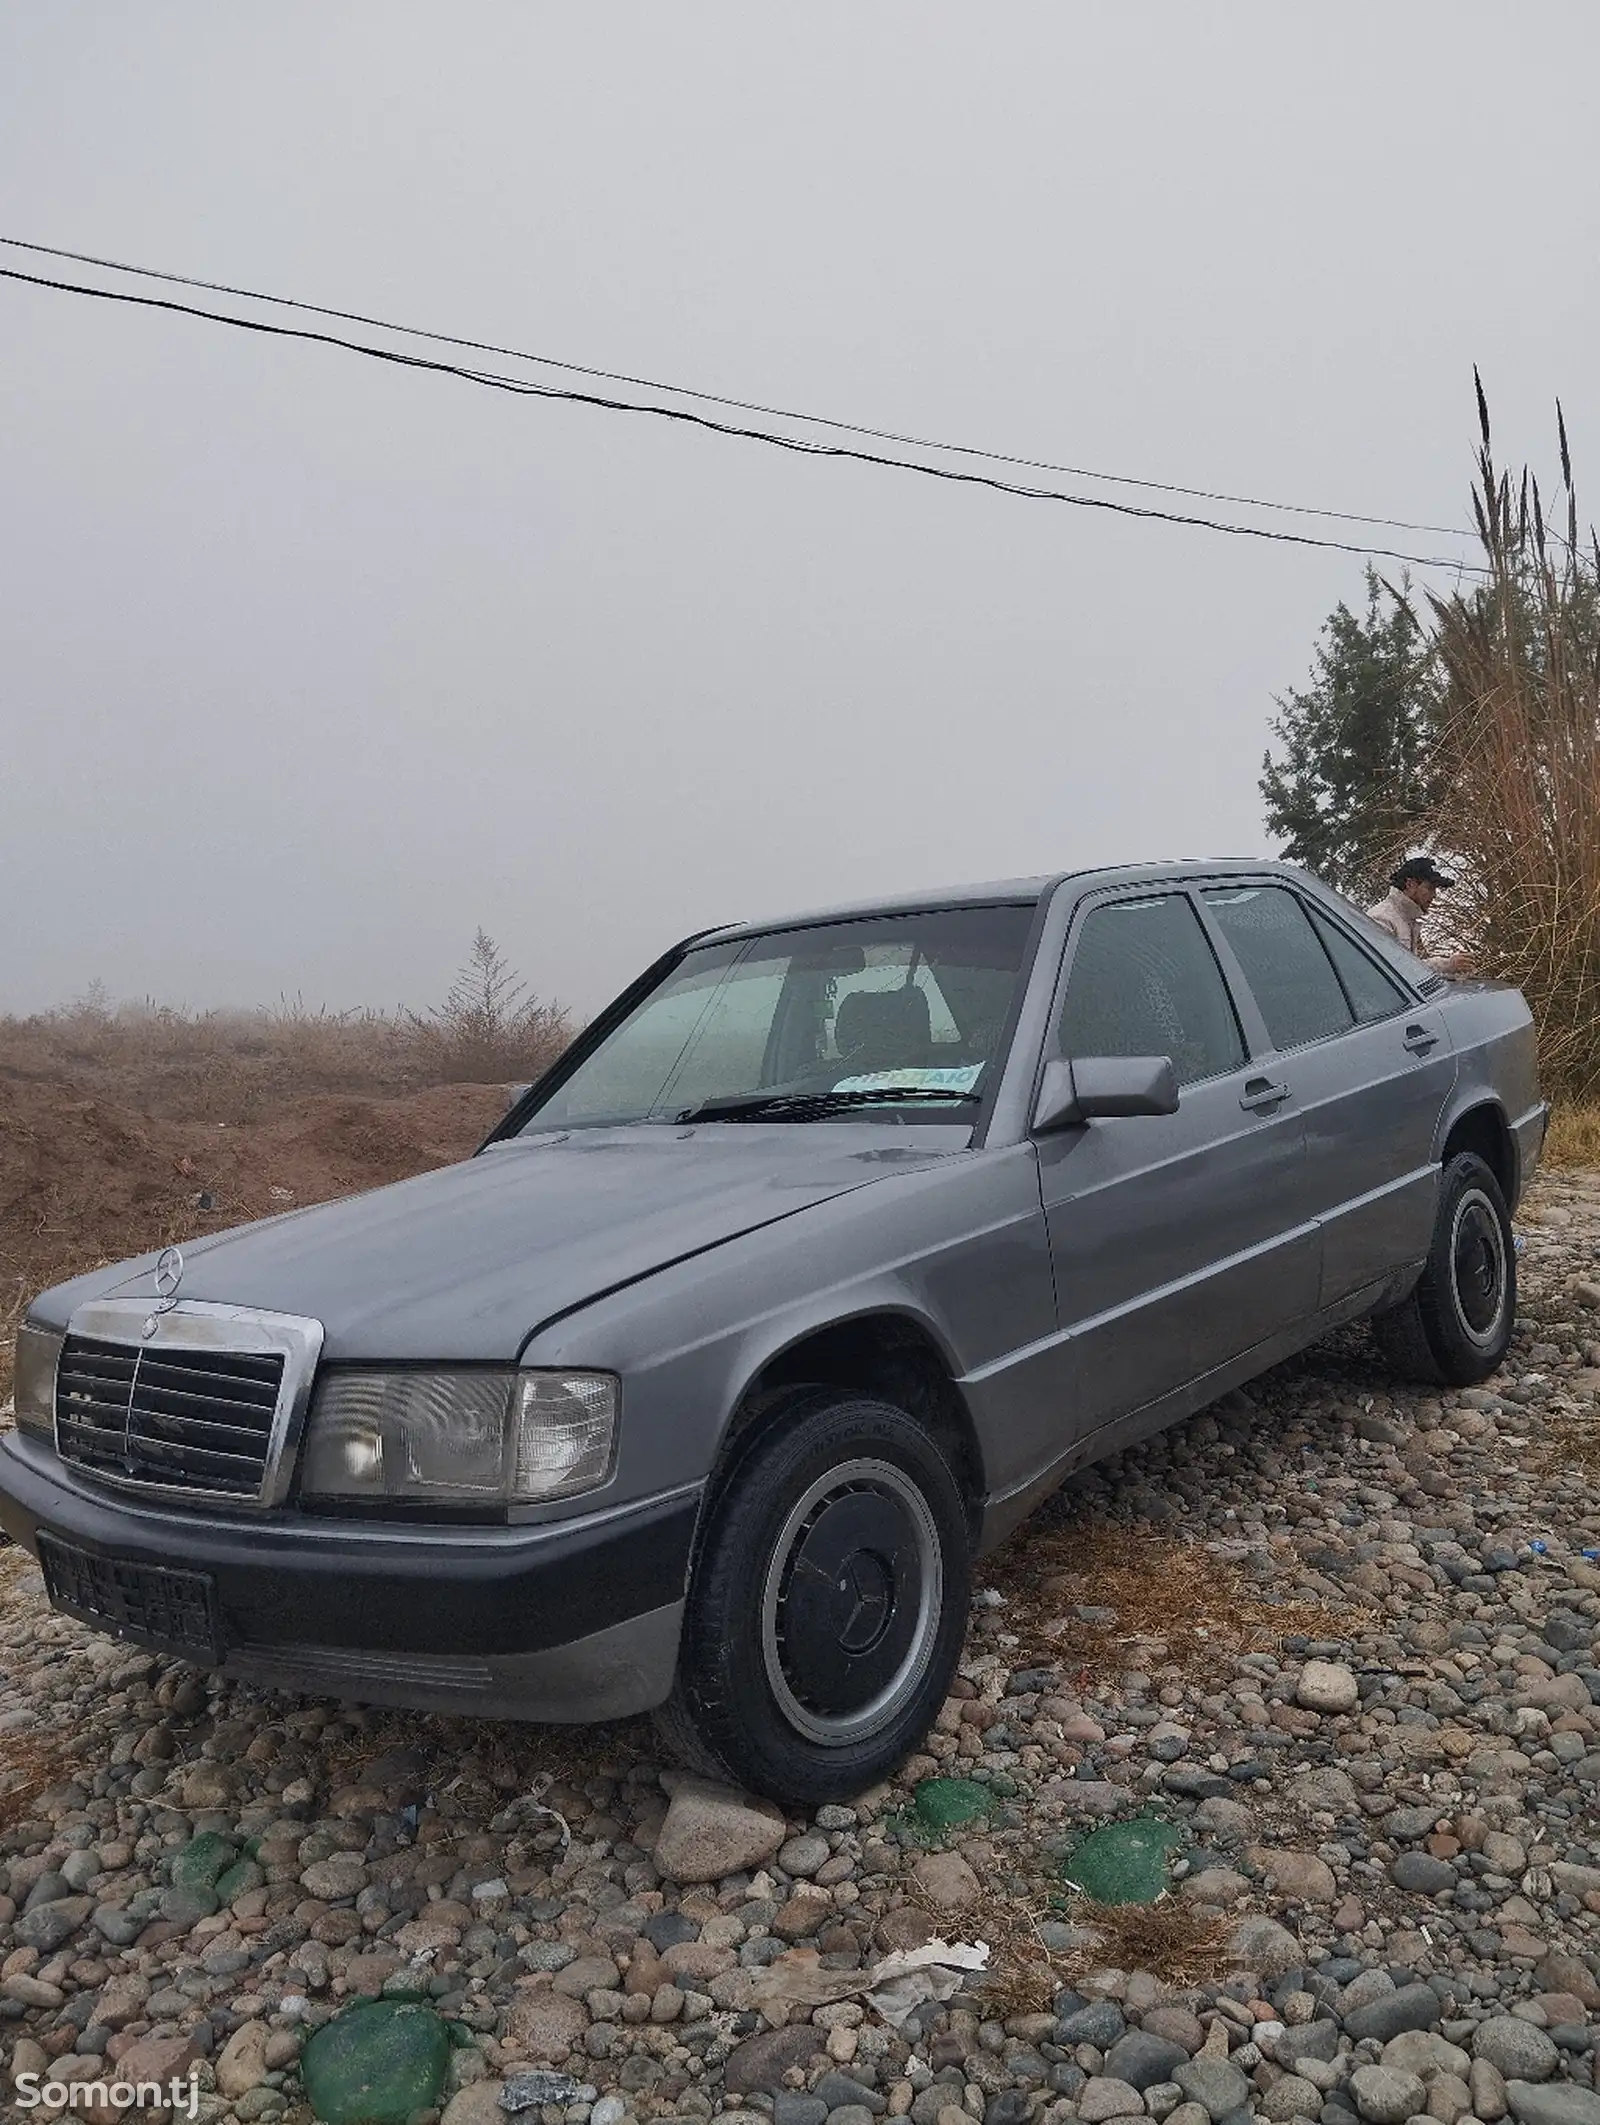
(1386, 1881)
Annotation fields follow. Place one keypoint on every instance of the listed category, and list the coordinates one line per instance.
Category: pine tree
(1353, 773)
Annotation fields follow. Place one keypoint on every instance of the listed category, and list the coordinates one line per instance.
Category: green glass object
(376, 2063)
(243, 1874)
(202, 1860)
(946, 1803)
(1124, 1863)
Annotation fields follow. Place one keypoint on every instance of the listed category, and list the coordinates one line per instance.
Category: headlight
(37, 1352)
(463, 1437)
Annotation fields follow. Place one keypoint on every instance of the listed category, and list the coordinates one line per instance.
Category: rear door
(1370, 1068)
(1178, 1241)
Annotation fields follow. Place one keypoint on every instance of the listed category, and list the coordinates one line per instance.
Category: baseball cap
(1425, 869)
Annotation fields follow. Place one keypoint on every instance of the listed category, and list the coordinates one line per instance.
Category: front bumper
(574, 1619)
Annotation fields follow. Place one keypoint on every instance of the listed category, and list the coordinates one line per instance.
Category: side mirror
(517, 1092)
(1104, 1087)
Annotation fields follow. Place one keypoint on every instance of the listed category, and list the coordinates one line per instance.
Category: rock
(1262, 1945)
(476, 2104)
(1291, 2098)
(1300, 1875)
(1178, 2024)
(1569, 1973)
(1214, 2084)
(542, 2024)
(1421, 1875)
(1561, 2103)
(159, 2058)
(1507, 1855)
(838, 2089)
(1386, 2096)
(242, 2063)
(713, 1830)
(1405, 1825)
(904, 1927)
(802, 1856)
(1327, 1686)
(1411, 2007)
(1422, 2052)
(946, 1880)
(1311, 2040)
(1215, 1885)
(1518, 2050)
(789, 2107)
(598, 1973)
(1101, 2024)
(1141, 2058)
(1488, 2088)
(1105, 2097)
(49, 1926)
(343, 1875)
(761, 2061)
(1225, 1820)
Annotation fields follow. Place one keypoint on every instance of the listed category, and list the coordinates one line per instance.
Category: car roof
(1002, 891)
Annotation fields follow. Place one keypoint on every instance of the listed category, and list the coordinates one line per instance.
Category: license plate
(151, 1604)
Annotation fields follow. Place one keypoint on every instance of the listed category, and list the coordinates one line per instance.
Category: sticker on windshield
(913, 1080)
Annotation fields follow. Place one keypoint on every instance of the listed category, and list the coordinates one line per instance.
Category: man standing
(1400, 911)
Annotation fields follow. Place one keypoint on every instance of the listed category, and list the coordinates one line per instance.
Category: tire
(1454, 1329)
(827, 1606)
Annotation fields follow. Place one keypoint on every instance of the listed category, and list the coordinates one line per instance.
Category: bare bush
(488, 1030)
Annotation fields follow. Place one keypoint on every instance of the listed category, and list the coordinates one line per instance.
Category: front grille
(178, 1420)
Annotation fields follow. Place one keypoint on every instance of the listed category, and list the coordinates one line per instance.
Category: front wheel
(1456, 1326)
(828, 1605)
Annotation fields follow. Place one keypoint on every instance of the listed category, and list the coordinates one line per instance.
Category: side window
(1371, 992)
(1287, 969)
(1144, 981)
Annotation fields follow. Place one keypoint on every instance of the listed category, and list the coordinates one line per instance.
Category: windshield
(888, 1015)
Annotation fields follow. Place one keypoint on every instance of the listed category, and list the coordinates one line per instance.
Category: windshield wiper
(815, 1106)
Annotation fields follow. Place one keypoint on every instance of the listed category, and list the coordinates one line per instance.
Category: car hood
(467, 1261)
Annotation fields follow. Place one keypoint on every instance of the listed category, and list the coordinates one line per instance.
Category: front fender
(958, 1250)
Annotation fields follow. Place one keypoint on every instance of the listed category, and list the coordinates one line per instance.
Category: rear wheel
(828, 1605)
(1455, 1327)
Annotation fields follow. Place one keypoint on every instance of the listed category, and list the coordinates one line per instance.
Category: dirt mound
(84, 1181)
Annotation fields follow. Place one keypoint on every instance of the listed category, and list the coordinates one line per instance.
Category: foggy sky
(309, 666)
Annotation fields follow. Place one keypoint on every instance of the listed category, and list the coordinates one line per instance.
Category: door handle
(1419, 1040)
(1261, 1093)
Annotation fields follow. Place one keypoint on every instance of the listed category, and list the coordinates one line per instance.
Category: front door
(1178, 1241)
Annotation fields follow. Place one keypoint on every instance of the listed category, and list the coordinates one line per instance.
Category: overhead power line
(737, 405)
(801, 446)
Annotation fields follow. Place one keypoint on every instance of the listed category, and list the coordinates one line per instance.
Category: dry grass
(1024, 1975)
(1572, 1447)
(1518, 758)
(28, 1766)
(1176, 1605)
(1574, 1138)
(1174, 1941)
(240, 1066)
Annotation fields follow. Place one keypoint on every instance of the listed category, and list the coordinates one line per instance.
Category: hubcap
(851, 1601)
(1478, 1268)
